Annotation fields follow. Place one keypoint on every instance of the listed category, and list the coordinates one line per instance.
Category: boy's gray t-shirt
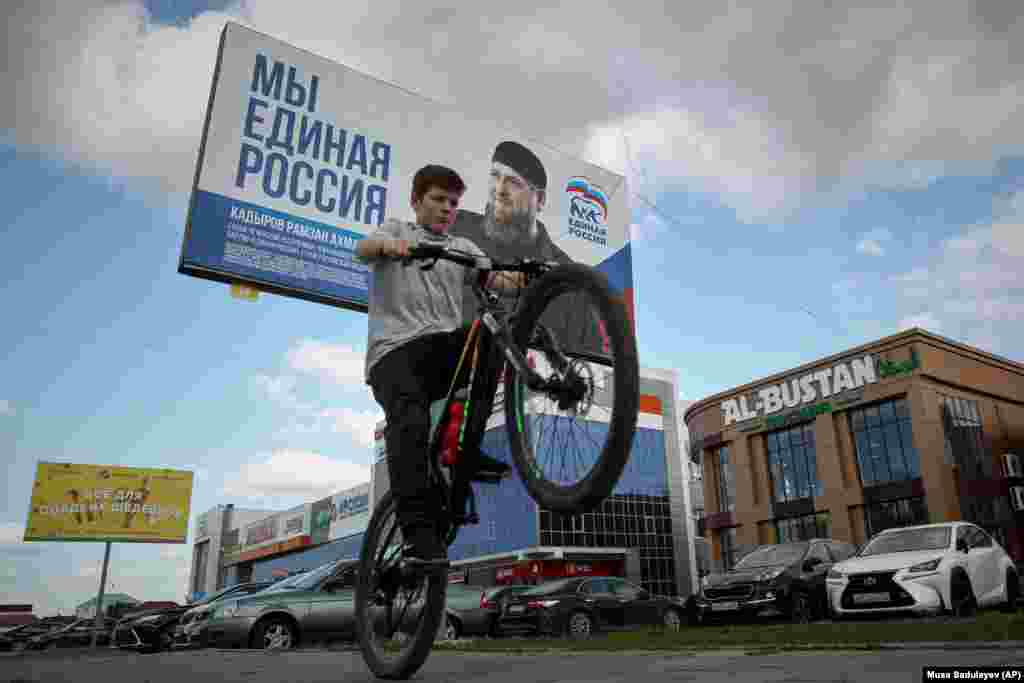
(406, 302)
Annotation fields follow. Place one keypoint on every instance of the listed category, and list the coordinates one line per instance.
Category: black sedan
(786, 580)
(475, 610)
(578, 607)
(150, 631)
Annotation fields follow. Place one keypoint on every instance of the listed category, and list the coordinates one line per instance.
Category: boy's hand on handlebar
(395, 249)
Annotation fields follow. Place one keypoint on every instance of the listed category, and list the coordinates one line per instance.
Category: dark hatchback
(784, 580)
(579, 607)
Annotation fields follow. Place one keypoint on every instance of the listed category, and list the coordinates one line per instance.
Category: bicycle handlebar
(427, 252)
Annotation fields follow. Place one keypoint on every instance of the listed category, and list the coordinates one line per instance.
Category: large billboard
(350, 511)
(301, 157)
(108, 503)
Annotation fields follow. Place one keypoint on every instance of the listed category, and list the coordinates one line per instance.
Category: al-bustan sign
(827, 382)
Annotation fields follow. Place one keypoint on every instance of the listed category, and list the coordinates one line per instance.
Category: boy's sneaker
(487, 469)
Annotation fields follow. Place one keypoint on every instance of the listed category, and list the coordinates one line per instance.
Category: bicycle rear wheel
(570, 450)
(397, 615)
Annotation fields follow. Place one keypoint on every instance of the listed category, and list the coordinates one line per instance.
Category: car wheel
(276, 633)
(1012, 591)
(580, 626)
(672, 620)
(800, 609)
(452, 629)
(962, 602)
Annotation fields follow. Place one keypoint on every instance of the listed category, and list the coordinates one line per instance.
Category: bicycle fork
(514, 356)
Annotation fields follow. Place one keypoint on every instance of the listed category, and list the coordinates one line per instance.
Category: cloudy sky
(805, 179)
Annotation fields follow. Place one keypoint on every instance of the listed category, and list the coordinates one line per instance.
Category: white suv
(951, 567)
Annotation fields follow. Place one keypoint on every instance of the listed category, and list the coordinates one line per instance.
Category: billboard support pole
(100, 622)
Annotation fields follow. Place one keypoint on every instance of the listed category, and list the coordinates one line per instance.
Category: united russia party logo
(588, 211)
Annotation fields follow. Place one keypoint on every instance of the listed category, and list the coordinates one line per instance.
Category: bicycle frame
(457, 492)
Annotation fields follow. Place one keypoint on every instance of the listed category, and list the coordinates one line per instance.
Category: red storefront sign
(554, 569)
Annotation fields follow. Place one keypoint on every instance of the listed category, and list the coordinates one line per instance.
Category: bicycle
(398, 608)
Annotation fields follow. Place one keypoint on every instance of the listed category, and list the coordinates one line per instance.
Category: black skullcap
(525, 162)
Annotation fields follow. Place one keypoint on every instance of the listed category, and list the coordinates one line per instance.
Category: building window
(633, 520)
(965, 439)
(792, 464)
(729, 549)
(803, 528)
(895, 513)
(202, 554)
(726, 481)
(884, 443)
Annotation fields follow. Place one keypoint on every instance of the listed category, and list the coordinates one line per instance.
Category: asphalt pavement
(312, 666)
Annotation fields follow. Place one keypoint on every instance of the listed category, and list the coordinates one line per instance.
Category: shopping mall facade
(643, 531)
(910, 429)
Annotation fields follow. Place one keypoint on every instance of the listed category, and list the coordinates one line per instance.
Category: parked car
(316, 605)
(76, 634)
(17, 637)
(148, 630)
(578, 607)
(473, 610)
(952, 567)
(188, 633)
(786, 579)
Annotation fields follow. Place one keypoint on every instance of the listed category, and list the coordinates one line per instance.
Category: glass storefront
(895, 513)
(803, 528)
(884, 442)
(792, 464)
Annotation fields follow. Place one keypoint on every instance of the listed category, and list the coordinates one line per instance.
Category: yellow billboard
(109, 503)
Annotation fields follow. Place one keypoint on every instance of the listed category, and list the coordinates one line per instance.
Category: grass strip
(842, 635)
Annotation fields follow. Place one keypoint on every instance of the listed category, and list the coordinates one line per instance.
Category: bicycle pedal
(489, 477)
(416, 565)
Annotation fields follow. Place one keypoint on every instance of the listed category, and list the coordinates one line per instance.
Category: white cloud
(338, 363)
(6, 407)
(11, 533)
(915, 93)
(925, 320)
(873, 242)
(870, 247)
(306, 474)
(278, 388)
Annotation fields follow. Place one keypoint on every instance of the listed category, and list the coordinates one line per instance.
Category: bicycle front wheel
(570, 448)
(397, 615)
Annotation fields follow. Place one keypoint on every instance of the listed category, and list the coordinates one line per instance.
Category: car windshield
(304, 582)
(220, 594)
(508, 590)
(773, 555)
(908, 540)
(551, 588)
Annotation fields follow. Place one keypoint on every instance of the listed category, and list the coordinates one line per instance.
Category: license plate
(516, 609)
(870, 598)
(724, 606)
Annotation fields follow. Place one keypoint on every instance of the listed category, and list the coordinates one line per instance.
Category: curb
(956, 645)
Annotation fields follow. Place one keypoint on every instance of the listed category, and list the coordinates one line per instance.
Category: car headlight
(929, 566)
(835, 574)
(770, 575)
(228, 609)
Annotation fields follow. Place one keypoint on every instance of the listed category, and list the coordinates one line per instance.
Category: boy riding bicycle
(414, 340)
